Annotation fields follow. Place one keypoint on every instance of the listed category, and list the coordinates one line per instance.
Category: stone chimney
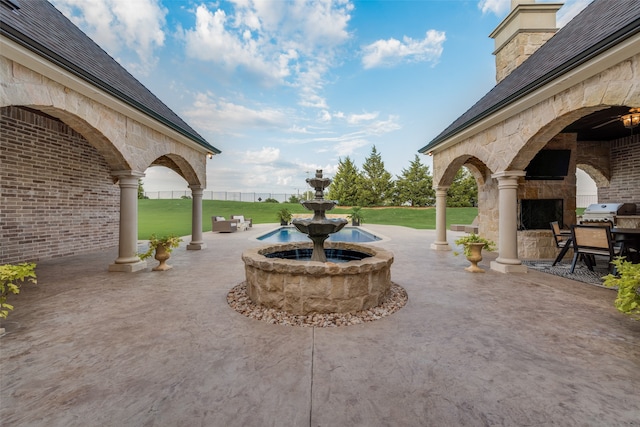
(527, 27)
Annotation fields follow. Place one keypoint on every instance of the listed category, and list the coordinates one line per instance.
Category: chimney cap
(527, 16)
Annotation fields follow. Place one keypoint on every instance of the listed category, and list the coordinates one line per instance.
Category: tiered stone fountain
(318, 276)
(319, 227)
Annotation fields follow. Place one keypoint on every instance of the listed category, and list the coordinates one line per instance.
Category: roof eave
(27, 43)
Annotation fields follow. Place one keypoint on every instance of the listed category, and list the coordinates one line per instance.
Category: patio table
(630, 238)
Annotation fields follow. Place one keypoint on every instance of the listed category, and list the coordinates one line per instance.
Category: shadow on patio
(88, 347)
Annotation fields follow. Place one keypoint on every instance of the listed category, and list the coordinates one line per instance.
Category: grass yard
(174, 216)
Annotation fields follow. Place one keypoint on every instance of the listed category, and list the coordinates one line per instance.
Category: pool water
(291, 234)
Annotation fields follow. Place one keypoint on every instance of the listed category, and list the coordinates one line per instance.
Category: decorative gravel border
(238, 300)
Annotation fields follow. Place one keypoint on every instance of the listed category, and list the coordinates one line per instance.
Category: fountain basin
(305, 287)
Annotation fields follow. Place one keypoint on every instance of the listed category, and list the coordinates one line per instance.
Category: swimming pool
(291, 234)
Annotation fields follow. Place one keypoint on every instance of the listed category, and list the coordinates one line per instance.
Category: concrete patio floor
(86, 347)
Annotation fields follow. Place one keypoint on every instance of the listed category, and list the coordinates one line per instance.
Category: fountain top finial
(319, 183)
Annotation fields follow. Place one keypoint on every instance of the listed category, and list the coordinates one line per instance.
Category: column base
(196, 246)
(440, 246)
(129, 267)
(508, 268)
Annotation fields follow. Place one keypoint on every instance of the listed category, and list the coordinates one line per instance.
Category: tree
(375, 185)
(141, 190)
(415, 185)
(463, 192)
(344, 186)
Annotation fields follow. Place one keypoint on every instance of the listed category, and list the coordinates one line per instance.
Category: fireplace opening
(536, 214)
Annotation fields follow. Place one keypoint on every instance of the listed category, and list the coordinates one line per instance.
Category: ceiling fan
(629, 120)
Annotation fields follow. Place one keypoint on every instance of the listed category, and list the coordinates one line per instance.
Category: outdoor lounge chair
(248, 222)
(220, 224)
(592, 240)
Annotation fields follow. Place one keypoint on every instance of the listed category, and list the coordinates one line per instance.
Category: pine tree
(344, 187)
(415, 185)
(463, 191)
(375, 185)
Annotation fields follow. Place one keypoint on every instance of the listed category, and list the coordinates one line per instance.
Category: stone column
(441, 220)
(128, 260)
(507, 261)
(197, 242)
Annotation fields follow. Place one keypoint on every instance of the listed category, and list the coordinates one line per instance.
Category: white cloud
(346, 144)
(112, 24)
(278, 42)
(497, 7)
(354, 119)
(391, 52)
(264, 156)
(347, 148)
(224, 117)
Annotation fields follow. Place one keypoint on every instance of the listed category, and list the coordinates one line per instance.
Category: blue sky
(286, 87)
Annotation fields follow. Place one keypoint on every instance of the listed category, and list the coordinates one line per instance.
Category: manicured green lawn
(174, 216)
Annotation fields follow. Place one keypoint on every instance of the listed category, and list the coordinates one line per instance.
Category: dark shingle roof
(601, 25)
(40, 27)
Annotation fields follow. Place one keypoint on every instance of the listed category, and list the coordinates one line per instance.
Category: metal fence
(235, 196)
(582, 200)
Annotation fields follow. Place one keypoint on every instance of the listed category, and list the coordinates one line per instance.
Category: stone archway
(124, 141)
(482, 175)
(509, 138)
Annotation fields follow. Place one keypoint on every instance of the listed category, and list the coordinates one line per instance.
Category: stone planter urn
(474, 257)
(162, 255)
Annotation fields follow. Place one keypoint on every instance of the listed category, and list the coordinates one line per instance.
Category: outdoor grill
(607, 212)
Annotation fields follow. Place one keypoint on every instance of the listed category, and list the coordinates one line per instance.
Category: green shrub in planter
(628, 282)
(474, 238)
(11, 276)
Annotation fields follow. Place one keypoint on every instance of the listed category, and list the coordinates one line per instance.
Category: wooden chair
(562, 240)
(592, 240)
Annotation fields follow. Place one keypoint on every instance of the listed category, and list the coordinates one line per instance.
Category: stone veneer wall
(539, 244)
(624, 185)
(57, 194)
(517, 50)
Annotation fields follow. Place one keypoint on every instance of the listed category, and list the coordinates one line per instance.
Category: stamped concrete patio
(91, 348)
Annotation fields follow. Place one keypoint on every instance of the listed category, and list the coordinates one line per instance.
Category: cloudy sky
(286, 87)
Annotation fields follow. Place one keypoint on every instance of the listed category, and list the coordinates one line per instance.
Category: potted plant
(473, 245)
(628, 282)
(284, 216)
(356, 216)
(162, 247)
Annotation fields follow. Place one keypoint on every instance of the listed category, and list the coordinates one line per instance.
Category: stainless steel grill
(607, 212)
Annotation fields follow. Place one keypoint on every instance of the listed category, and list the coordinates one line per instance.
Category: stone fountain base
(304, 287)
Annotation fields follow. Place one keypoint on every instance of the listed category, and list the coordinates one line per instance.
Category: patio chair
(248, 222)
(220, 224)
(562, 239)
(592, 240)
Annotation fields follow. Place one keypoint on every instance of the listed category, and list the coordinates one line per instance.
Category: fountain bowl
(305, 287)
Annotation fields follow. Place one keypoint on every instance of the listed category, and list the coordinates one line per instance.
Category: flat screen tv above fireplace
(549, 165)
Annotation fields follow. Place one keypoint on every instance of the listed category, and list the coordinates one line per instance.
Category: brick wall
(624, 185)
(57, 197)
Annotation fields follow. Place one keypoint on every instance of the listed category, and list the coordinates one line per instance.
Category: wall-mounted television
(549, 164)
